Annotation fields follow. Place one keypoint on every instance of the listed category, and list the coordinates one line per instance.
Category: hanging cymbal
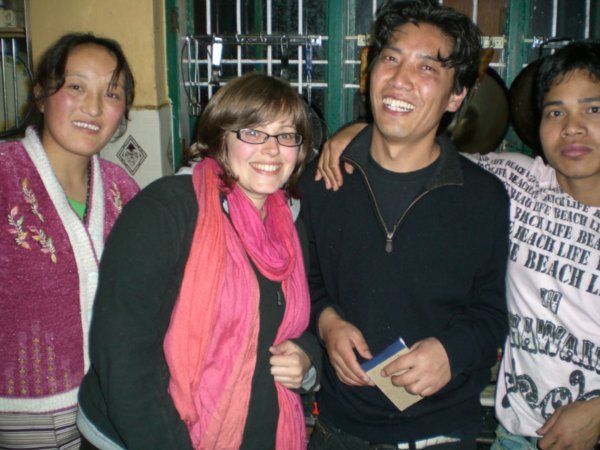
(481, 123)
(522, 106)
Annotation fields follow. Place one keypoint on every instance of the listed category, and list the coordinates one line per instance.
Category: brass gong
(481, 123)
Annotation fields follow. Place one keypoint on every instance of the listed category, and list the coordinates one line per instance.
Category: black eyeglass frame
(267, 136)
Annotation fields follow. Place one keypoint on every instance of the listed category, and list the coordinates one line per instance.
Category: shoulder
(112, 174)
(308, 176)
(512, 167)
(498, 163)
(172, 194)
(483, 192)
(15, 166)
(113, 171)
(307, 185)
(480, 178)
(12, 154)
(165, 188)
(165, 209)
(506, 158)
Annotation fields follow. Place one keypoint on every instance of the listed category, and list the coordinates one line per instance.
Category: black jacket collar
(448, 172)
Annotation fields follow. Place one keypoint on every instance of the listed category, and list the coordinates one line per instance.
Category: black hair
(581, 55)
(465, 35)
(50, 74)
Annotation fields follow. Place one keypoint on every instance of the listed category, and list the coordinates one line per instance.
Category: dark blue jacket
(443, 278)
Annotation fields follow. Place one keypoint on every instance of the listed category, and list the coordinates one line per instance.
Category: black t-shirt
(395, 191)
(263, 411)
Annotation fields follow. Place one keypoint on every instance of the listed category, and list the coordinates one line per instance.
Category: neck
(72, 174)
(584, 191)
(404, 157)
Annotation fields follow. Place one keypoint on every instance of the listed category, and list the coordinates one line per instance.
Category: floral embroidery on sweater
(46, 242)
(37, 234)
(31, 199)
(44, 349)
(17, 228)
(116, 197)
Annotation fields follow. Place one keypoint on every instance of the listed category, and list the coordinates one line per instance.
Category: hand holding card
(397, 394)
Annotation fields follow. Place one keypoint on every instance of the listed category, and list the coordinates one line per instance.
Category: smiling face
(410, 88)
(570, 130)
(84, 114)
(262, 169)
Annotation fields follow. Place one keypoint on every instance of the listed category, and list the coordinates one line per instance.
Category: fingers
(324, 167)
(286, 347)
(341, 354)
(424, 370)
(322, 163)
(574, 426)
(351, 373)
(548, 425)
(363, 349)
(346, 365)
(289, 364)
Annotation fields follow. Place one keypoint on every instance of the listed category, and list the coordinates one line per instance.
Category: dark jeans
(327, 437)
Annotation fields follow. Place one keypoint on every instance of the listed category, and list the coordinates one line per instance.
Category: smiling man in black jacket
(414, 247)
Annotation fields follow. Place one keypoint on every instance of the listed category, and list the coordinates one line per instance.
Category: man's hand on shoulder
(575, 426)
(329, 161)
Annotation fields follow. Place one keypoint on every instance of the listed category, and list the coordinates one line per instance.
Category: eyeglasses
(250, 136)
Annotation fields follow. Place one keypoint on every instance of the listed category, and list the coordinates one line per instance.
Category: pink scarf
(211, 343)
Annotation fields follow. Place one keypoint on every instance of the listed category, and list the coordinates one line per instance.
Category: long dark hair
(50, 74)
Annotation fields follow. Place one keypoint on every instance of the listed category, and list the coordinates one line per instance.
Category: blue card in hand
(396, 394)
(391, 350)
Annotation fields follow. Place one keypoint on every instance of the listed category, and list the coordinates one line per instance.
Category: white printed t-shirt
(552, 356)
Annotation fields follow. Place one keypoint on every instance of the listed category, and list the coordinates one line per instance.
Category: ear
(37, 93)
(456, 100)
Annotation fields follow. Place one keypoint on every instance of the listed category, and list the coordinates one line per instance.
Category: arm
(472, 338)
(575, 426)
(329, 160)
(341, 339)
(310, 345)
(139, 280)
(289, 364)
(324, 308)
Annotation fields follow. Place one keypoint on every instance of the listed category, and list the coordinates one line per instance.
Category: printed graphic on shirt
(553, 284)
(557, 397)
(551, 233)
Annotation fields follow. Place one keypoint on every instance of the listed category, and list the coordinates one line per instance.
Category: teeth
(398, 105)
(266, 167)
(86, 125)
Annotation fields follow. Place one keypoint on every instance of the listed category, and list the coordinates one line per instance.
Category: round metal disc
(479, 126)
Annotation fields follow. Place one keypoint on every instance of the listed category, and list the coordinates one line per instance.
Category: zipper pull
(388, 244)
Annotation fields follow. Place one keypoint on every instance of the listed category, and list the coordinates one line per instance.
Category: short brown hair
(248, 101)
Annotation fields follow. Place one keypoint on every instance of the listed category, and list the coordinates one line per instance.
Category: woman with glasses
(198, 332)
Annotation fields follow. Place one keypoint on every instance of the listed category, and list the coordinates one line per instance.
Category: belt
(424, 443)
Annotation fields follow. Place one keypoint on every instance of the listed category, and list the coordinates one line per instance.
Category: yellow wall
(137, 24)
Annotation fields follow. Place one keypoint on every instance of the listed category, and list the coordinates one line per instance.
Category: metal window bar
(15, 78)
(210, 59)
(202, 79)
(202, 61)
